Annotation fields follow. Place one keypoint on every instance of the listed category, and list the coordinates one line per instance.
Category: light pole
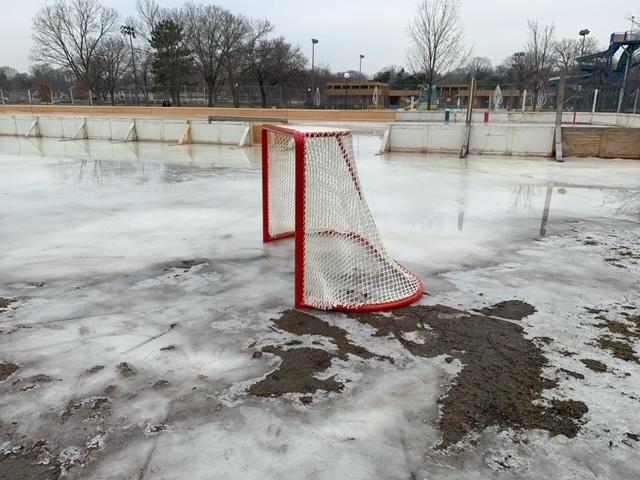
(519, 60)
(360, 76)
(314, 42)
(583, 33)
(130, 31)
(346, 89)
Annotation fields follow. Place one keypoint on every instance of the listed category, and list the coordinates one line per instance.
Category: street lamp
(583, 33)
(360, 76)
(130, 31)
(346, 90)
(314, 41)
(519, 60)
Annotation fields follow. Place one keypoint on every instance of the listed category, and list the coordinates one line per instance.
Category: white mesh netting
(281, 178)
(345, 263)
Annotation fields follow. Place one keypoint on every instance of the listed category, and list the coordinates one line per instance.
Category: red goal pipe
(265, 186)
(299, 223)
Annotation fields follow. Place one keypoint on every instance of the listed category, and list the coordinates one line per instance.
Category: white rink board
(495, 139)
(516, 116)
(117, 128)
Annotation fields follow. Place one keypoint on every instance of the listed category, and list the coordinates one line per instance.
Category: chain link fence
(489, 95)
(189, 95)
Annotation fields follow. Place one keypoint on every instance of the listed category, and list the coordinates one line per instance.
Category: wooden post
(465, 145)
(559, 107)
(34, 126)
(635, 102)
(524, 99)
(595, 101)
(384, 147)
(186, 134)
(132, 133)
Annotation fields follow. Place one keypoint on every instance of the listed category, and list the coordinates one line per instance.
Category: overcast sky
(375, 28)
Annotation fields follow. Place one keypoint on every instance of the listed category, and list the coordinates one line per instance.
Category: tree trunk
(263, 94)
(112, 89)
(236, 97)
(210, 94)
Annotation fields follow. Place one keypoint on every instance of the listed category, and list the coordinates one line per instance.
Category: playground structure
(428, 99)
(607, 80)
(602, 66)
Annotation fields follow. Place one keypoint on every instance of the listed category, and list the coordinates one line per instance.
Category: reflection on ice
(151, 255)
(147, 152)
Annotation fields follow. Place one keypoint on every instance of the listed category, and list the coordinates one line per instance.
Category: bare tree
(480, 67)
(540, 57)
(204, 35)
(239, 37)
(437, 40)
(568, 50)
(150, 13)
(113, 60)
(145, 72)
(68, 33)
(274, 62)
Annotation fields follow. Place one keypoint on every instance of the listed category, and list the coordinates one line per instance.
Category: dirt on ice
(500, 384)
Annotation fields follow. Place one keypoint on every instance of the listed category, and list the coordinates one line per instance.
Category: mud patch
(33, 462)
(33, 382)
(89, 408)
(4, 303)
(300, 323)
(126, 369)
(160, 384)
(184, 265)
(7, 369)
(571, 373)
(620, 349)
(300, 366)
(296, 373)
(509, 309)
(629, 328)
(501, 383)
(594, 365)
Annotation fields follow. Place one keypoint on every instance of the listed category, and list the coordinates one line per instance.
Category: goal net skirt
(311, 191)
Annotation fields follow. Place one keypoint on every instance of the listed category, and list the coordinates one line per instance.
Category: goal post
(311, 191)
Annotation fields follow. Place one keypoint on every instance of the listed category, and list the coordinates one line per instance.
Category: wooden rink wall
(289, 115)
(602, 142)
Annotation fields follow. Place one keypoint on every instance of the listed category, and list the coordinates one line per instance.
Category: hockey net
(311, 190)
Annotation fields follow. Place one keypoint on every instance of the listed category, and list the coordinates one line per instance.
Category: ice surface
(151, 254)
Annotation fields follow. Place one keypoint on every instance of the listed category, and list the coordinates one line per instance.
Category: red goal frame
(299, 229)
